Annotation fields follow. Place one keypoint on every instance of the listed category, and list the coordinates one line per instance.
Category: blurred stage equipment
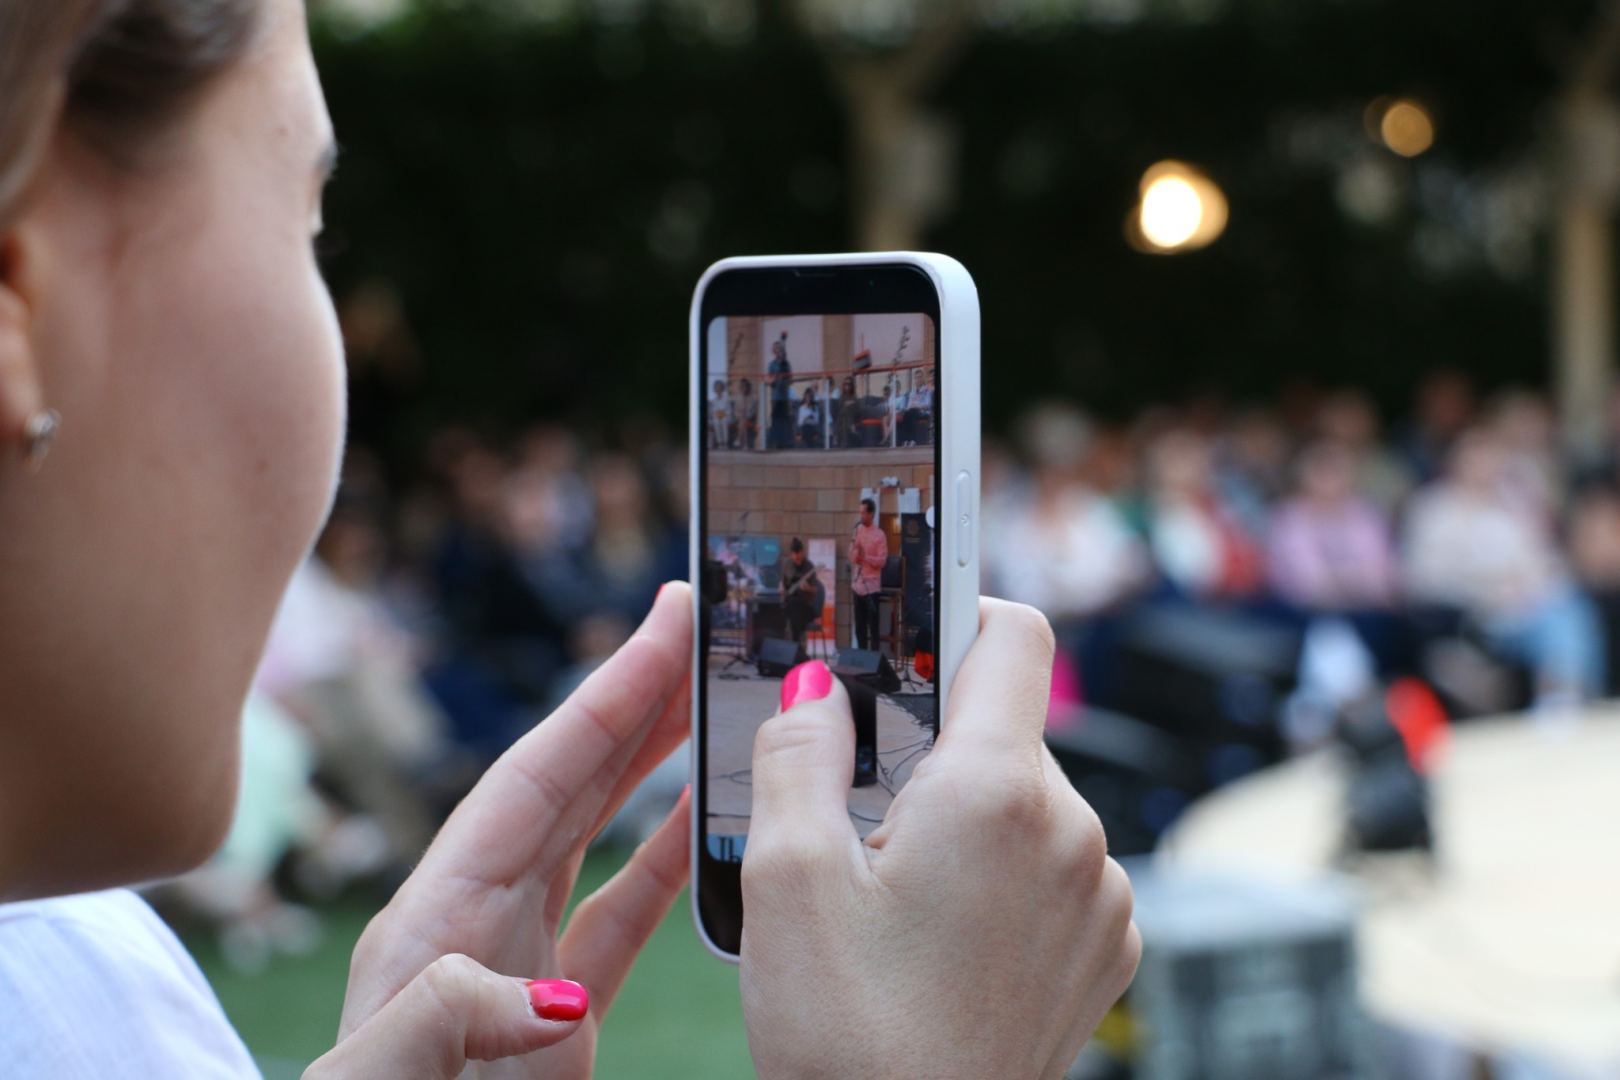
(1179, 209)
(869, 667)
(1387, 805)
(767, 618)
(778, 656)
(1136, 778)
(863, 707)
(1242, 977)
(1213, 680)
(1504, 948)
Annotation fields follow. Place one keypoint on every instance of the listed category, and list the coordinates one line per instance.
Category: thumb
(456, 1011)
(804, 761)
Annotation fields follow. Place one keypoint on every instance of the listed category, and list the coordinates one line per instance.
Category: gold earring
(38, 434)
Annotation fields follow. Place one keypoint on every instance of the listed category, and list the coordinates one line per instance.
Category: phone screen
(818, 495)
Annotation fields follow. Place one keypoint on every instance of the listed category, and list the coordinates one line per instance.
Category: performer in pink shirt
(868, 551)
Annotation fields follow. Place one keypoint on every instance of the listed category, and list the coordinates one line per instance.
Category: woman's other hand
(981, 930)
(441, 976)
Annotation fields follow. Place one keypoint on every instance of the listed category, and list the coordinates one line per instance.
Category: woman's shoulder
(97, 983)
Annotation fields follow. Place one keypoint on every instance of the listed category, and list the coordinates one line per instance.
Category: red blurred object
(1420, 718)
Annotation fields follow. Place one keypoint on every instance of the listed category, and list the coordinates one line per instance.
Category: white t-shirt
(98, 986)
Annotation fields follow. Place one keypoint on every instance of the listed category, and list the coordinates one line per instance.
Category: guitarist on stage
(802, 592)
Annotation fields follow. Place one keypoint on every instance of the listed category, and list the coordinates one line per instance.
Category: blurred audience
(1454, 549)
(1033, 529)
(1198, 537)
(1475, 542)
(453, 599)
(1329, 546)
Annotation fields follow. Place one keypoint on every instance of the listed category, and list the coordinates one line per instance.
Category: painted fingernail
(810, 681)
(559, 999)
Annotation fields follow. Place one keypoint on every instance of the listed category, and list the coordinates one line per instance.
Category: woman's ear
(22, 399)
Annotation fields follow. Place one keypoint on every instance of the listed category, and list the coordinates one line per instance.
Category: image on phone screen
(818, 490)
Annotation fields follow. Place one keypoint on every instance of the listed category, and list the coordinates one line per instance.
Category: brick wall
(812, 494)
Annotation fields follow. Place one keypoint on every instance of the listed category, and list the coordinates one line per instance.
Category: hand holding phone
(981, 931)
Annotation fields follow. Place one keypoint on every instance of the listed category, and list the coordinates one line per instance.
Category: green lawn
(678, 1016)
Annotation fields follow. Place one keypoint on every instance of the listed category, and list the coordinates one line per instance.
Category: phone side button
(964, 518)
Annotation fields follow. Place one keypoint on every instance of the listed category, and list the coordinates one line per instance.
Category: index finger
(999, 700)
(526, 794)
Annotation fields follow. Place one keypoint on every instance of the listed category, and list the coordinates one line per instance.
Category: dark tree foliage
(544, 196)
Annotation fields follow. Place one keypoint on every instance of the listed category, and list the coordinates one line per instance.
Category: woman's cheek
(298, 420)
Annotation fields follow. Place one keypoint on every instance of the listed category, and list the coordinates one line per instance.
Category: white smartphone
(835, 501)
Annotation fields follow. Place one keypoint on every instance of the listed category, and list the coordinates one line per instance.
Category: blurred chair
(818, 646)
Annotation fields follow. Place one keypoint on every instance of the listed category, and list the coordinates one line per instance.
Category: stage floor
(740, 700)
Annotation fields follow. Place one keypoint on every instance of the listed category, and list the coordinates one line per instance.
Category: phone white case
(957, 505)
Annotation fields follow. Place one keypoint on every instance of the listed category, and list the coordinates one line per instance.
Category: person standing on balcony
(809, 419)
(779, 376)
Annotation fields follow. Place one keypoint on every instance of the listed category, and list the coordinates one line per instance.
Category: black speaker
(870, 667)
(863, 710)
(769, 620)
(777, 656)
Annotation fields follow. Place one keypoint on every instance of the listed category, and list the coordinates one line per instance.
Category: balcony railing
(820, 410)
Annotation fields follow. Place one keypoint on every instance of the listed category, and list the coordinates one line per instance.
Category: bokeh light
(1406, 127)
(1171, 211)
(1180, 209)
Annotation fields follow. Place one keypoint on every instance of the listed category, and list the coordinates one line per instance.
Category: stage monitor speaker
(870, 667)
(768, 620)
(778, 656)
(863, 710)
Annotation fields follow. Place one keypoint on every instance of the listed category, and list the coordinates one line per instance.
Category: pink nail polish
(810, 681)
(559, 999)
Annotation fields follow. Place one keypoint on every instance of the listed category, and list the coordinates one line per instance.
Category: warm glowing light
(1406, 128)
(1171, 211)
(1181, 209)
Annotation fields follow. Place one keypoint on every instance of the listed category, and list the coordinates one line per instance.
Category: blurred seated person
(1057, 545)
(1330, 547)
(1198, 543)
(1251, 467)
(1445, 408)
(340, 664)
(809, 418)
(722, 418)
(1349, 419)
(1594, 543)
(745, 407)
(918, 418)
(802, 591)
(1523, 425)
(842, 413)
(1469, 546)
